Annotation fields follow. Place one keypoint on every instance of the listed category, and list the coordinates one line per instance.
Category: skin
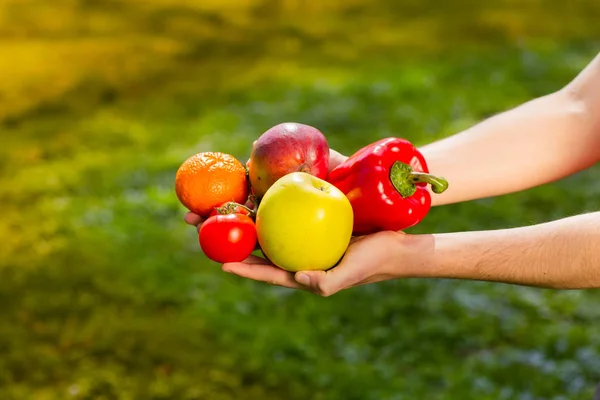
(549, 138)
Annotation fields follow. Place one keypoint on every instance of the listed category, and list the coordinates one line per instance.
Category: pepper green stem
(404, 179)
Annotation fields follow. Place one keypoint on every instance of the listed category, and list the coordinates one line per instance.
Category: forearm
(538, 142)
(563, 254)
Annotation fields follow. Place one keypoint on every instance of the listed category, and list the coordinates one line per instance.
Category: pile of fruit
(287, 203)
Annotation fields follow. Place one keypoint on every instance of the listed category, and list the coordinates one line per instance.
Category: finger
(263, 273)
(323, 283)
(192, 218)
(252, 259)
(335, 159)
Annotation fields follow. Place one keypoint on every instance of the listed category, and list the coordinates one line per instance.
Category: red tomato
(228, 237)
(229, 208)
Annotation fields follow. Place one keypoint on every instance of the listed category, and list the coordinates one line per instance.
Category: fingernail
(303, 279)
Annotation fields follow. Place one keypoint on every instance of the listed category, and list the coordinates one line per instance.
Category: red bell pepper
(386, 183)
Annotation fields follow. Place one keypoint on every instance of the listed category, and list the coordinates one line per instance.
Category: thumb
(324, 283)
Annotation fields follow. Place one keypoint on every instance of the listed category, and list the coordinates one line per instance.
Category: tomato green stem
(230, 207)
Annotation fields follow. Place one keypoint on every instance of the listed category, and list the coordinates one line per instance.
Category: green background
(104, 293)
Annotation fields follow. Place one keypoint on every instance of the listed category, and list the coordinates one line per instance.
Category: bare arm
(541, 141)
(538, 142)
(562, 254)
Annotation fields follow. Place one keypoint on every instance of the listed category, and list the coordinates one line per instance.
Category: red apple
(286, 148)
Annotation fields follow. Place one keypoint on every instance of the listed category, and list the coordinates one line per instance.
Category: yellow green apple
(304, 223)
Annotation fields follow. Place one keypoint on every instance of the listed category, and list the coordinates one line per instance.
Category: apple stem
(304, 168)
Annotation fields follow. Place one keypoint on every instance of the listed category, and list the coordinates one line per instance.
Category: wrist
(430, 256)
(413, 255)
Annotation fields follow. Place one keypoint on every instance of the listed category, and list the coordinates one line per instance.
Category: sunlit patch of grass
(128, 46)
(37, 71)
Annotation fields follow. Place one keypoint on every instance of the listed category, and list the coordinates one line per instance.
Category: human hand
(369, 259)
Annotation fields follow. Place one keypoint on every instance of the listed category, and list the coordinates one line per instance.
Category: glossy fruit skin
(386, 183)
(227, 238)
(304, 223)
(208, 179)
(285, 148)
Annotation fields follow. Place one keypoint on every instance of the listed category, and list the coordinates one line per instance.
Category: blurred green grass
(103, 290)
